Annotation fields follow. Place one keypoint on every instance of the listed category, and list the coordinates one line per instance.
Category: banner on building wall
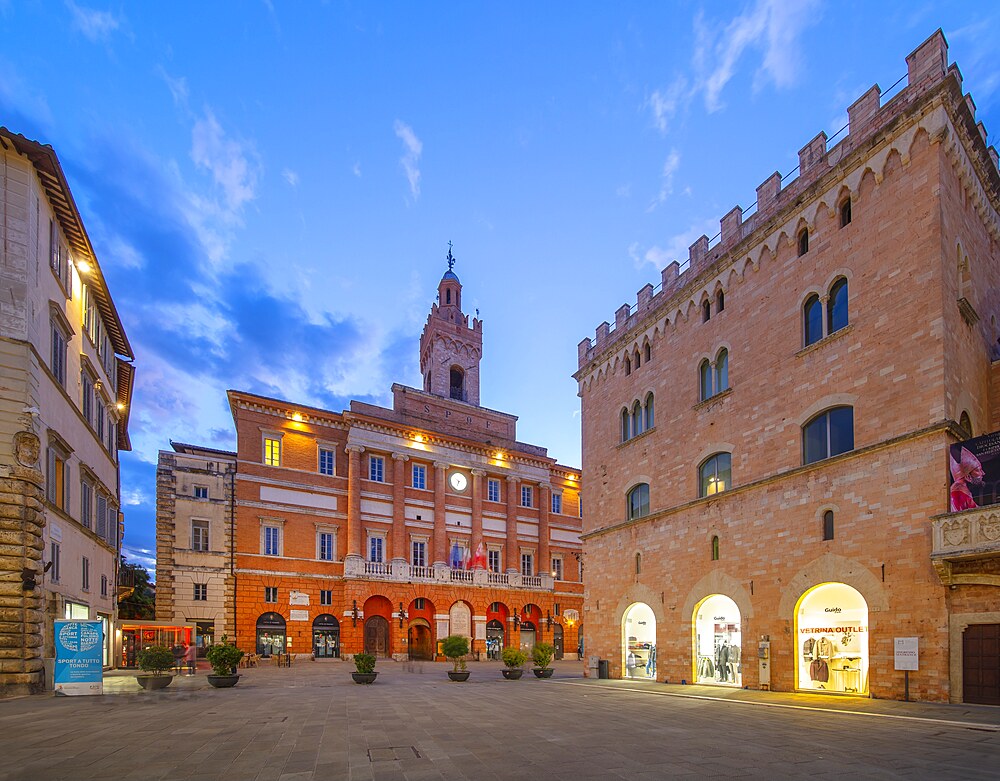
(974, 467)
(79, 652)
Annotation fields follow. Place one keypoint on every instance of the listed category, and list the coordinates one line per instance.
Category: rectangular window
(201, 492)
(58, 357)
(111, 527)
(326, 596)
(54, 554)
(58, 478)
(376, 469)
(102, 516)
(272, 541)
(527, 496)
(87, 394)
(375, 549)
(327, 464)
(418, 557)
(493, 556)
(557, 568)
(557, 504)
(85, 579)
(99, 425)
(55, 254)
(104, 585)
(199, 535)
(419, 476)
(272, 451)
(492, 490)
(86, 505)
(201, 592)
(527, 564)
(326, 546)
(271, 594)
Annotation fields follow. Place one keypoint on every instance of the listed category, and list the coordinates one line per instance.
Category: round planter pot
(512, 674)
(223, 681)
(459, 675)
(543, 672)
(152, 682)
(364, 677)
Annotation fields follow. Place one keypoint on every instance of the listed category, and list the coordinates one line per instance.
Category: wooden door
(981, 664)
(419, 642)
(377, 636)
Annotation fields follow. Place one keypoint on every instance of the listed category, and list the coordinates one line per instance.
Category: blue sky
(270, 187)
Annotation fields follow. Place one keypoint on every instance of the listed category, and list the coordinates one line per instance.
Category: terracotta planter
(459, 675)
(153, 682)
(223, 681)
(364, 677)
(512, 673)
(543, 672)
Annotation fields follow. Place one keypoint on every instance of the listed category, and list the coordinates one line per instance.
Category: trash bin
(602, 669)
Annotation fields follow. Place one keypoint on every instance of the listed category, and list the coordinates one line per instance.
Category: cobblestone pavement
(313, 722)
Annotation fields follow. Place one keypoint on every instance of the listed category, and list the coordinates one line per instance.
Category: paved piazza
(312, 722)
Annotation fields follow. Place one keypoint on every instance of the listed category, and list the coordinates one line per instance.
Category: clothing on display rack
(706, 668)
(819, 671)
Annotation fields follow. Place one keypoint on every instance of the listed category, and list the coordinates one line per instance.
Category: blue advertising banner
(79, 647)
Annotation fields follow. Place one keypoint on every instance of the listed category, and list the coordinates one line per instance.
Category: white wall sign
(905, 652)
(298, 597)
(298, 615)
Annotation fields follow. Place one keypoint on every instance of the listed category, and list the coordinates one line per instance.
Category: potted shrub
(542, 657)
(456, 648)
(365, 664)
(225, 659)
(513, 660)
(155, 661)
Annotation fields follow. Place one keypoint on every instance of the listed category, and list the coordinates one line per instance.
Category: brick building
(780, 516)
(388, 529)
(66, 387)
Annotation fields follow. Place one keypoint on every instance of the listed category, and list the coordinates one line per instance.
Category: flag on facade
(457, 560)
(479, 560)
(466, 558)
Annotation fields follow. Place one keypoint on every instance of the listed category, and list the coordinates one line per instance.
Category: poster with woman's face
(974, 471)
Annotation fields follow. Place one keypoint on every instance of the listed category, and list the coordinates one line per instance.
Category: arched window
(628, 366)
(845, 213)
(650, 418)
(637, 359)
(720, 301)
(812, 316)
(637, 501)
(705, 377)
(636, 419)
(828, 434)
(965, 423)
(803, 241)
(625, 425)
(715, 548)
(706, 311)
(638, 563)
(447, 296)
(715, 474)
(722, 371)
(836, 307)
(457, 383)
(828, 525)
(647, 351)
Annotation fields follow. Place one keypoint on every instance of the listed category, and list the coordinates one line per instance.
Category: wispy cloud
(290, 176)
(356, 169)
(178, 87)
(670, 167)
(233, 164)
(665, 103)
(412, 149)
(94, 25)
(675, 248)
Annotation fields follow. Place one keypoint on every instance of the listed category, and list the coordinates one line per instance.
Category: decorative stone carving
(989, 528)
(26, 448)
(956, 532)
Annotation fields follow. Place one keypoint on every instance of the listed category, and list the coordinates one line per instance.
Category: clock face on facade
(458, 481)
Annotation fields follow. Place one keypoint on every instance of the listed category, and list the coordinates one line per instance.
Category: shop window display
(639, 626)
(717, 640)
(832, 639)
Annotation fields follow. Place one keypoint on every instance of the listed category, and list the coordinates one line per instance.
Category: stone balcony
(356, 568)
(966, 545)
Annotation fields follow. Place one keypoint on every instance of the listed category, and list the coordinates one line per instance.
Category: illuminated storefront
(639, 648)
(271, 634)
(831, 630)
(137, 636)
(718, 651)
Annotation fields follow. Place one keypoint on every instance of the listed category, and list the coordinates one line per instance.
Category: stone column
(398, 543)
(354, 500)
(440, 529)
(545, 504)
(477, 512)
(513, 553)
(22, 519)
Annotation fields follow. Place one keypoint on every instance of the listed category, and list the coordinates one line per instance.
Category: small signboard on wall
(298, 615)
(906, 653)
(79, 657)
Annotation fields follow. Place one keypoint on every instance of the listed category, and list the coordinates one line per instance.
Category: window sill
(649, 430)
(825, 340)
(712, 399)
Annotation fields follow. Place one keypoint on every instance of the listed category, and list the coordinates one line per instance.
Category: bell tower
(451, 348)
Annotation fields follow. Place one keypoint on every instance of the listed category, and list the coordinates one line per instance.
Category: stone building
(194, 515)
(766, 432)
(388, 529)
(65, 392)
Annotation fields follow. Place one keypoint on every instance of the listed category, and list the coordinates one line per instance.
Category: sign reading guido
(79, 652)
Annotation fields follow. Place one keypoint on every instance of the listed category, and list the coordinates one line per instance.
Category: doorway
(981, 664)
(494, 640)
(377, 636)
(639, 646)
(557, 640)
(420, 644)
(326, 637)
(527, 637)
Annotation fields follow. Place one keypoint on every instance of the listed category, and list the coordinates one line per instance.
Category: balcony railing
(962, 537)
(399, 571)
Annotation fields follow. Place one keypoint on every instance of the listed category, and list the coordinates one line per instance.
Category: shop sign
(79, 657)
(905, 652)
(298, 615)
(974, 472)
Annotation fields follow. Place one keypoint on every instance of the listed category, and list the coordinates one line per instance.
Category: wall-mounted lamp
(402, 615)
(517, 621)
(354, 614)
(297, 417)
(548, 619)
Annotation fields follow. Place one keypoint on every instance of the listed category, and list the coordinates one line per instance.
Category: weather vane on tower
(451, 258)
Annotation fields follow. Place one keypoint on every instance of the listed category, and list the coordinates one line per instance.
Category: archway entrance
(419, 641)
(326, 637)
(557, 640)
(270, 634)
(717, 641)
(377, 636)
(527, 637)
(494, 640)
(831, 630)
(639, 641)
